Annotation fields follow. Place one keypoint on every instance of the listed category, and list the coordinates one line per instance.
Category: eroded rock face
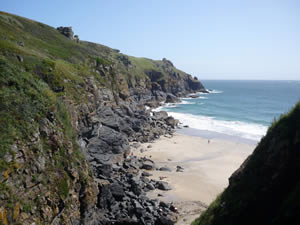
(104, 137)
(172, 99)
(96, 95)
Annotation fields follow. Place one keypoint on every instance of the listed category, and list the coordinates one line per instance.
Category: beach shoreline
(207, 164)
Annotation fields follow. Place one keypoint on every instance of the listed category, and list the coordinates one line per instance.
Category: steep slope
(266, 188)
(68, 109)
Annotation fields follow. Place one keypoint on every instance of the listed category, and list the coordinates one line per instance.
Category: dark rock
(147, 165)
(105, 169)
(163, 186)
(136, 189)
(194, 84)
(107, 143)
(76, 38)
(172, 122)
(117, 191)
(194, 96)
(179, 169)
(105, 197)
(165, 168)
(20, 58)
(126, 221)
(161, 115)
(172, 99)
(144, 179)
(164, 204)
(150, 186)
(66, 31)
(163, 220)
(146, 174)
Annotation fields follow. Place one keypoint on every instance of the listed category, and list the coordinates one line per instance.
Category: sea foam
(235, 128)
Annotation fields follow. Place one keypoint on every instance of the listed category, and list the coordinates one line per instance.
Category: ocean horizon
(235, 109)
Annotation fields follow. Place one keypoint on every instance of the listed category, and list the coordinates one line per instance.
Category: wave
(185, 103)
(189, 98)
(165, 106)
(235, 128)
(214, 91)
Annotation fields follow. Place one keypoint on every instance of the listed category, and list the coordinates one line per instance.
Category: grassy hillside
(266, 188)
(44, 80)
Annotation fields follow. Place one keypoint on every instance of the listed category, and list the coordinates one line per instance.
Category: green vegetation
(44, 77)
(208, 216)
(63, 187)
(266, 189)
(143, 64)
(23, 101)
(27, 208)
(104, 62)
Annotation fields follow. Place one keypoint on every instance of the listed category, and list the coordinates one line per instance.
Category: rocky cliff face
(69, 112)
(265, 189)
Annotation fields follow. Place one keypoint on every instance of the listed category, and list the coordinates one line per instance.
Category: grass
(52, 78)
(23, 101)
(101, 61)
(63, 187)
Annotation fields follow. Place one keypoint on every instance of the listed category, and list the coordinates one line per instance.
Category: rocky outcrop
(106, 130)
(67, 122)
(66, 31)
(172, 99)
(265, 189)
(168, 79)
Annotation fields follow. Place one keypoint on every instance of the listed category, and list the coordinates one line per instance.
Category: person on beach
(208, 141)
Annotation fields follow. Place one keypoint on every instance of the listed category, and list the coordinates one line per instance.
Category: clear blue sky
(225, 39)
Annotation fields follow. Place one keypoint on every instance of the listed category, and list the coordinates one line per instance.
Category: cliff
(265, 189)
(69, 111)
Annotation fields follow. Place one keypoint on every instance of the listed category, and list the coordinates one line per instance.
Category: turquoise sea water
(242, 109)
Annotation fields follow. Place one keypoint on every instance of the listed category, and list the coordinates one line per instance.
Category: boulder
(117, 191)
(165, 168)
(147, 165)
(146, 174)
(161, 115)
(107, 143)
(163, 220)
(150, 186)
(163, 186)
(105, 197)
(172, 99)
(172, 122)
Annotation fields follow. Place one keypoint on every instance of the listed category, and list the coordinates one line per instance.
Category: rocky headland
(74, 120)
(70, 113)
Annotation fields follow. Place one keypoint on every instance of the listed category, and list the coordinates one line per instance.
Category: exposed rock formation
(66, 31)
(67, 120)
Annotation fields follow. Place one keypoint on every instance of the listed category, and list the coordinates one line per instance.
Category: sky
(210, 39)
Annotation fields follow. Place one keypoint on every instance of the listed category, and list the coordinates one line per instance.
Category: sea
(235, 109)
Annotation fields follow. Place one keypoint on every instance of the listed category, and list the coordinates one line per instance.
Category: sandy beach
(207, 165)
